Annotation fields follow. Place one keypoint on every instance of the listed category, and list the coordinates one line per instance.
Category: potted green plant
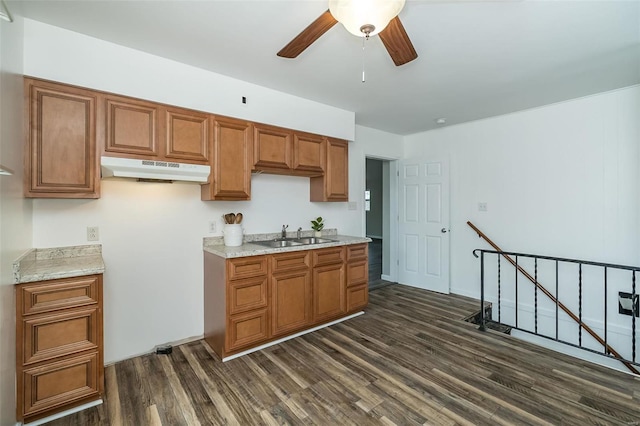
(317, 226)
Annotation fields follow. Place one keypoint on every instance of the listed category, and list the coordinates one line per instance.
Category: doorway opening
(377, 205)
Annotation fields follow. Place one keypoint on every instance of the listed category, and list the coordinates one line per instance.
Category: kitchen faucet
(284, 231)
(299, 233)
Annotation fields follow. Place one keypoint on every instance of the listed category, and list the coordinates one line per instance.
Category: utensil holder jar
(232, 235)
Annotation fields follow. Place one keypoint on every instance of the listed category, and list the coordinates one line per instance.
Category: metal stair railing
(608, 350)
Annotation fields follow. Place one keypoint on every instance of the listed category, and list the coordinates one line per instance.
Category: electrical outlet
(212, 227)
(482, 207)
(93, 233)
(352, 205)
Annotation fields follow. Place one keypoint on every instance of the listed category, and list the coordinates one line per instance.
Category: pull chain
(364, 39)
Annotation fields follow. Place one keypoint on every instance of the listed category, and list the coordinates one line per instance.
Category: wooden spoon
(238, 218)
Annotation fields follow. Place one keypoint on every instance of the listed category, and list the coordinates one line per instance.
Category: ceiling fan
(363, 18)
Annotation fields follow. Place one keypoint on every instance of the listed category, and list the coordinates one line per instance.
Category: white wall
(15, 211)
(373, 143)
(61, 55)
(560, 180)
(152, 233)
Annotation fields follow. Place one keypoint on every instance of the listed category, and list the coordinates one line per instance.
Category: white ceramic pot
(233, 234)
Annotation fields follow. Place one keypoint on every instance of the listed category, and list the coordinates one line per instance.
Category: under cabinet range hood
(156, 170)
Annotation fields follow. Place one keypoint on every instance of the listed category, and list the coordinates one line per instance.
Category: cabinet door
(231, 167)
(131, 128)
(290, 302)
(328, 292)
(334, 185)
(60, 159)
(308, 153)
(187, 136)
(271, 148)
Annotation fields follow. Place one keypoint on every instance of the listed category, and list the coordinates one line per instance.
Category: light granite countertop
(58, 262)
(215, 245)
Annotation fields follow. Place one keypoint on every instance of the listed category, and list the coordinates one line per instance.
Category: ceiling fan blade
(308, 35)
(397, 42)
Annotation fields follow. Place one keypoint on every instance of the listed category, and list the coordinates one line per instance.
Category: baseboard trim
(63, 413)
(293, 336)
(387, 278)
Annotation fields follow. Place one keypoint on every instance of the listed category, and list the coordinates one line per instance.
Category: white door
(423, 231)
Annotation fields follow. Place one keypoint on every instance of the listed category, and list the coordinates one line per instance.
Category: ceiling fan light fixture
(358, 14)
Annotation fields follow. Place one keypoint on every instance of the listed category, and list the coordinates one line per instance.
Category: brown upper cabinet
(68, 128)
(187, 135)
(334, 185)
(283, 151)
(230, 177)
(308, 154)
(60, 149)
(131, 128)
(272, 149)
(147, 130)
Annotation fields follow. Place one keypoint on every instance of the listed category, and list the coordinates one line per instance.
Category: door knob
(444, 230)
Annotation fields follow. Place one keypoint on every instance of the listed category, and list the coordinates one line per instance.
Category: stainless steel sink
(278, 243)
(313, 240)
(292, 243)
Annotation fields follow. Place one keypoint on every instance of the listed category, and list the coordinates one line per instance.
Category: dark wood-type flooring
(410, 360)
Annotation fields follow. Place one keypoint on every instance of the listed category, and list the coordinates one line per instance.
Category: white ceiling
(476, 58)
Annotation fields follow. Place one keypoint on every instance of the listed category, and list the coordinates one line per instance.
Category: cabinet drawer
(247, 328)
(357, 251)
(328, 256)
(246, 267)
(58, 294)
(357, 273)
(59, 383)
(247, 294)
(290, 261)
(357, 297)
(52, 335)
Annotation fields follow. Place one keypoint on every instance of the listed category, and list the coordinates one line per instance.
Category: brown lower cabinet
(249, 301)
(59, 348)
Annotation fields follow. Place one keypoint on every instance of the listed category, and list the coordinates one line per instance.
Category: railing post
(499, 296)
(606, 346)
(482, 328)
(633, 316)
(580, 304)
(556, 300)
